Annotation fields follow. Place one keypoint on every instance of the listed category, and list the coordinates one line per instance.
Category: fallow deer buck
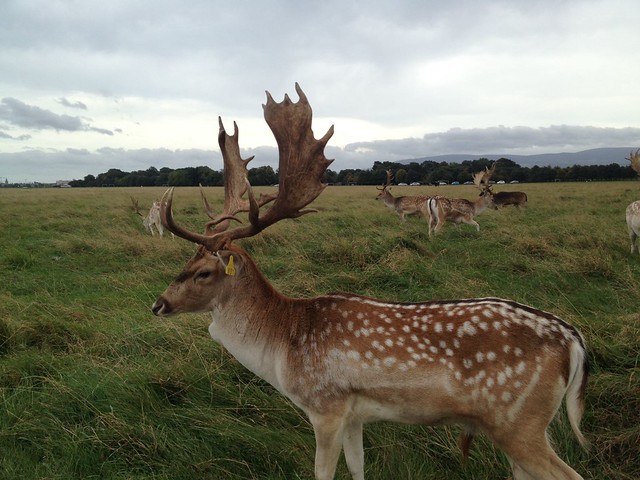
(461, 210)
(403, 205)
(492, 365)
(633, 210)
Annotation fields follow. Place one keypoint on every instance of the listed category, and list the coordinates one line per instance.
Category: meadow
(93, 386)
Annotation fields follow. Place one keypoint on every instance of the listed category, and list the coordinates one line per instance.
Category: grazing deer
(502, 199)
(402, 205)
(461, 210)
(493, 365)
(633, 210)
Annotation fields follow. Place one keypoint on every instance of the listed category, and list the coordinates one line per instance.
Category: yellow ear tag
(230, 269)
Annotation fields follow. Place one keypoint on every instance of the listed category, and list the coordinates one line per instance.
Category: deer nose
(160, 307)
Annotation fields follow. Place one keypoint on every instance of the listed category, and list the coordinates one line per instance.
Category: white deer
(633, 210)
(152, 221)
(492, 365)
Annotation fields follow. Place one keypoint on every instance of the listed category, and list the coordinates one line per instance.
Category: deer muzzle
(162, 308)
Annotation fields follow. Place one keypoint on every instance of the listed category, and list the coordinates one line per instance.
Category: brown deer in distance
(461, 210)
(633, 210)
(492, 365)
(502, 199)
(517, 199)
(403, 205)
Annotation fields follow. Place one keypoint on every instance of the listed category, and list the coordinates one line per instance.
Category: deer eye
(203, 274)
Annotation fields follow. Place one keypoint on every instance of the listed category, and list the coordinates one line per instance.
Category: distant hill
(595, 156)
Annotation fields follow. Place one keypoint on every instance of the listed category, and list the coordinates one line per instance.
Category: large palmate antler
(634, 158)
(301, 166)
(235, 182)
(481, 178)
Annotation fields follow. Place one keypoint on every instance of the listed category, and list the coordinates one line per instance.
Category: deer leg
(532, 458)
(431, 221)
(634, 238)
(329, 432)
(471, 221)
(354, 449)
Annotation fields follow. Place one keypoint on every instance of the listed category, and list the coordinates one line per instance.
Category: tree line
(426, 172)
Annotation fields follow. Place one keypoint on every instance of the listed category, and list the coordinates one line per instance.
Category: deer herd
(438, 209)
(491, 365)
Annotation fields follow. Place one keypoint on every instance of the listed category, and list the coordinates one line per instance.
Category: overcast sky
(90, 85)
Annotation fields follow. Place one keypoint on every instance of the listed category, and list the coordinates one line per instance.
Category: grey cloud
(68, 103)
(11, 137)
(103, 131)
(515, 140)
(23, 115)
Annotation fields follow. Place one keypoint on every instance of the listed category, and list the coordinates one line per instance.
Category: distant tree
(109, 178)
(427, 171)
(89, 181)
(207, 176)
(400, 176)
(183, 177)
(262, 176)
(330, 177)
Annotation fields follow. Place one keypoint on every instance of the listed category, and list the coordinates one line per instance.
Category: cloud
(501, 139)
(67, 103)
(20, 114)
(11, 137)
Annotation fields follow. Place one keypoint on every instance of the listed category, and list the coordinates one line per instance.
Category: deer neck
(255, 322)
(388, 199)
(481, 204)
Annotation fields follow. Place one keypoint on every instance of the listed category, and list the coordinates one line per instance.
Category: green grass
(93, 386)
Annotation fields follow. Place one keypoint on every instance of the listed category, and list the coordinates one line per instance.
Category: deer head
(634, 158)
(384, 192)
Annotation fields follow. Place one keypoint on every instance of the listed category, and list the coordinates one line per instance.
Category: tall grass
(93, 386)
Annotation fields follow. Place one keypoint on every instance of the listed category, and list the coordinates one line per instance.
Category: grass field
(94, 387)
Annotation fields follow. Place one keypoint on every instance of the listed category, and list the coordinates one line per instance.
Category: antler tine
(478, 178)
(135, 205)
(166, 217)
(235, 173)
(388, 182)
